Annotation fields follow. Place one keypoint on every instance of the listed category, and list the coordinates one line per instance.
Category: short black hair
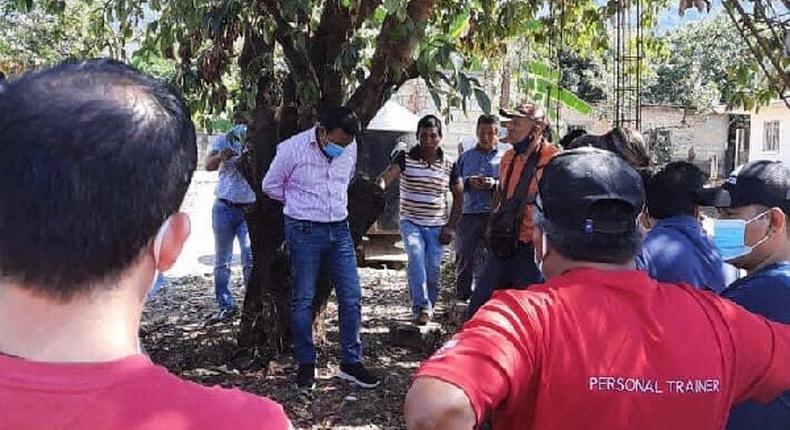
(612, 248)
(672, 190)
(623, 141)
(429, 121)
(570, 136)
(487, 119)
(94, 157)
(340, 117)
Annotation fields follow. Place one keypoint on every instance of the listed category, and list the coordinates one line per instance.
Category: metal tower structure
(628, 62)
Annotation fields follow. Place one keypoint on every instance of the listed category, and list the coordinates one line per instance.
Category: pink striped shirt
(311, 187)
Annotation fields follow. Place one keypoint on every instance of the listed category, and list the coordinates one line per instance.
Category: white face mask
(160, 235)
(543, 252)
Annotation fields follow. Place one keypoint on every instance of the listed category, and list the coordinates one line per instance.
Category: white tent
(394, 117)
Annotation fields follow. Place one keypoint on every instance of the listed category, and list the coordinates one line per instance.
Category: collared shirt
(519, 153)
(677, 250)
(312, 187)
(476, 162)
(231, 184)
(596, 350)
(423, 187)
(765, 292)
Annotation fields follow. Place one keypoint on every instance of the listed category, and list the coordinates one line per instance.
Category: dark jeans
(517, 271)
(312, 245)
(469, 251)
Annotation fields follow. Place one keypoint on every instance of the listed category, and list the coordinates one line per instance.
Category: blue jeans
(425, 262)
(311, 245)
(228, 223)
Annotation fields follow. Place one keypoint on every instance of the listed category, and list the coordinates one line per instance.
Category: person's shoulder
(548, 150)
(298, 140)
(760, 285)
(465, 156)
(530, 301)
(660, 236)
(211, 407)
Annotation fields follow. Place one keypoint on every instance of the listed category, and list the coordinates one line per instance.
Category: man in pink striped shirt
(310, 175)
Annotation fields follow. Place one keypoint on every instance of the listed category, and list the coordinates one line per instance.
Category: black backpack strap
(522, 192)
(509, 175)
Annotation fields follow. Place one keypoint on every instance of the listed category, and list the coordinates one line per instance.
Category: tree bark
(393, 61)
(334, 32)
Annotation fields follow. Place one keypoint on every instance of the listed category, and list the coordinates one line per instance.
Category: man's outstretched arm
(433, 404)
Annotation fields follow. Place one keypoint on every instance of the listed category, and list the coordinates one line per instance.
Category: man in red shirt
(95, 159)
(599, 345)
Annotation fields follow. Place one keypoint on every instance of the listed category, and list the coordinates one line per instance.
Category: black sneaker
(357, 374)
(305, 377)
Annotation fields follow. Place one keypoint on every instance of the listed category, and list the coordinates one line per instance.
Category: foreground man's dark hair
(94, 156)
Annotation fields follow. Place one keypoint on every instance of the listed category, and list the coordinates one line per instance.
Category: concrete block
(422, 338)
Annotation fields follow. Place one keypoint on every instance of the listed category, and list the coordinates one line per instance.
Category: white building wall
(777, 111)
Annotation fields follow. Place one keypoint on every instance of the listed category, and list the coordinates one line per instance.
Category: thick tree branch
(393, 58)
(335, 30)
(295, 55)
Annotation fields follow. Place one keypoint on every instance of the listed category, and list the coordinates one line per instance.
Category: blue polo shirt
(677, 250)
(765, 292)
(476, 162)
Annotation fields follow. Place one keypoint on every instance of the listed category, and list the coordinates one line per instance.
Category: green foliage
(705, 64)
(39, 37)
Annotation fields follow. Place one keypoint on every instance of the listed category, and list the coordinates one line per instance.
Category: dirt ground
(174, 335)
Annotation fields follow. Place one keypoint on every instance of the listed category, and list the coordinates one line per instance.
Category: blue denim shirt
(765, 292)
(476, 162)
(231, 185)
(677, 250)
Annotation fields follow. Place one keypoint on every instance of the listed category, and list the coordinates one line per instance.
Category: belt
(234, 204)
(304, 221)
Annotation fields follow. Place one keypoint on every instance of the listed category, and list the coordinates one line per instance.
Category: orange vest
(547, 151)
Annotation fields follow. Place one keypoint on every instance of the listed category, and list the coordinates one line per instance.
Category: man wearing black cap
(676, 249)
(600, 345)
(752, 233)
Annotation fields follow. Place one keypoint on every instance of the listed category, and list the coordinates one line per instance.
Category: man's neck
(97, 328)
(527, 146)
(781, 255)
(569, 265)
(485, 149)
(429, 157)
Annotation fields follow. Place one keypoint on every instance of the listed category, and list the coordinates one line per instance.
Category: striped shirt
(312, 187)
(423, 187)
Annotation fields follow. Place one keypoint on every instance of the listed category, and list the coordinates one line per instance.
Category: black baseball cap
(577, 183)
(677, 189)
(760, 182)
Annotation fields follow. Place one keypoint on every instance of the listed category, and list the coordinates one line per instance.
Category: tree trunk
(265, 322)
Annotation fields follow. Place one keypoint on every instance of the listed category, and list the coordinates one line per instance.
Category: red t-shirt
(613, 350)
(127, 394)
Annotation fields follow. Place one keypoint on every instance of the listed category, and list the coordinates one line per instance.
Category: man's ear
(173, 239)
(778, 221)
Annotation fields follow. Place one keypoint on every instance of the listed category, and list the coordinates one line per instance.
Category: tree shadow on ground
(176, 336)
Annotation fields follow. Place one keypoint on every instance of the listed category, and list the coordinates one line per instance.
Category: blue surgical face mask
(332, 149)
(240, 131)
(729, 236)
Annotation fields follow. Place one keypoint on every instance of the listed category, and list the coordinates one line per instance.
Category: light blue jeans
(425, 262)
(228, 223)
